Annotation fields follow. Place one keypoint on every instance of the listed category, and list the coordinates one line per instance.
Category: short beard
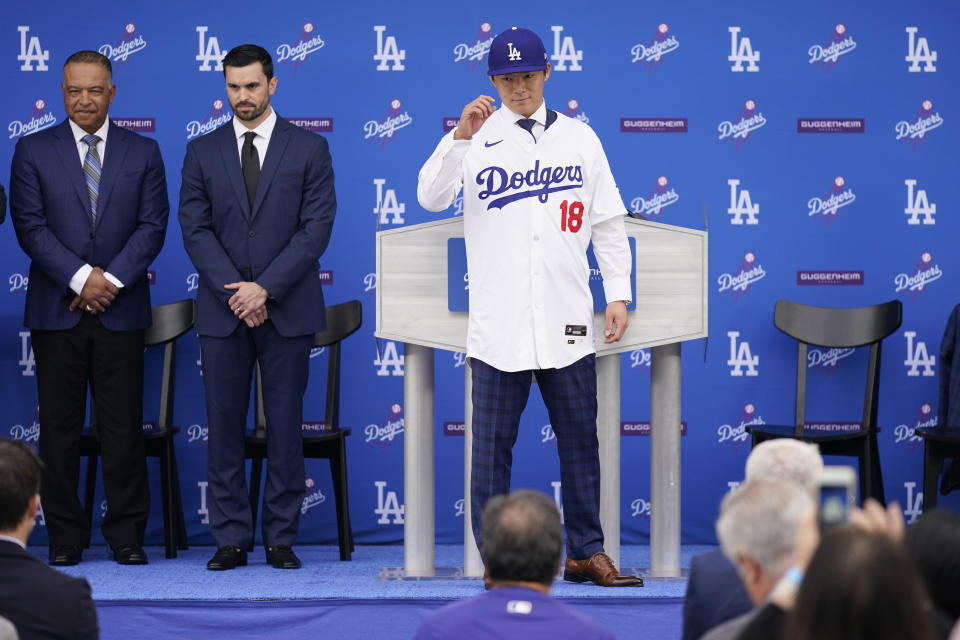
(256, 113)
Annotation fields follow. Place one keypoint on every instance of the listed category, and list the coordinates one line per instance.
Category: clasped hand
(249, 302)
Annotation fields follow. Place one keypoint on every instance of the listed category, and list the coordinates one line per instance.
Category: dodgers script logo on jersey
(387, 432)
(741, 356)
(388, 207)
(923, 274)
(472, 54)
(919, 54)
(389, 55)
(736, 432)
(739, 130)
(737, 283)
(127, 44)
(216, 117)
(658, 46)
(295, 55)
(38, 120)
(918, 357)
(838, 44)
(659, 197)
(32, 54)
(741, 204)
(495, 181)
(839, 195)
(918, 205)
(926, 120)
(572, 111)
(565, 52)
(906, 434)
(209, 52)
(741, 51)
(392, 121)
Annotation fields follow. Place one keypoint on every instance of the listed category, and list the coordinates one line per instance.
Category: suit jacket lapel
(278, 144)
(114, 154)
(73, 169)
(231, 163)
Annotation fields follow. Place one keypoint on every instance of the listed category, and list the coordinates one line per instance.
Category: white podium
(671, 307)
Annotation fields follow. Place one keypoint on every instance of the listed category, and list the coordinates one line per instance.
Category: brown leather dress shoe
(598, 569)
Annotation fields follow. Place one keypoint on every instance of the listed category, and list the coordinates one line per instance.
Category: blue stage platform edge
(179, 599)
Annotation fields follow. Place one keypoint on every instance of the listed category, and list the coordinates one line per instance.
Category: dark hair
(91, 56)
(934, 543)
(20, 471)
(244, 54)
(859, 587)
(522, 537)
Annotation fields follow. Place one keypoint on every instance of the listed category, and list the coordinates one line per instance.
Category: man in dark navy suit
(256, 208)
(88, 200)
(30, 591)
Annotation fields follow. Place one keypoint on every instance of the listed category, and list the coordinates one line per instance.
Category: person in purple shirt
(522, 548)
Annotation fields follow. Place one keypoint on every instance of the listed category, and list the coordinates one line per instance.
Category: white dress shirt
(263, 130)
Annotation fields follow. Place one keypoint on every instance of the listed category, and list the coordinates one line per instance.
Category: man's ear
(33, 507)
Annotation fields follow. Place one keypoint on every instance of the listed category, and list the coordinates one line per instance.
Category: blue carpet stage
(180, 599)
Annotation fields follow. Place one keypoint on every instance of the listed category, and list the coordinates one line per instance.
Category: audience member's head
(757, 530)
(20, 472)
(522, 538)
(788, 460)
(934, 543)
(859, 587)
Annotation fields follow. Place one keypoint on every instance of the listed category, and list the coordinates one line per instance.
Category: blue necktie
(527, 125)
(91, 171)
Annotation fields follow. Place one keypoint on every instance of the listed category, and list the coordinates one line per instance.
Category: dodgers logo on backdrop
(388, 505)
(38, 120)
(658, 198)
(216, 117)
(923, 274)
(925, 120)
(387, 431)
(31, 52)
(392, 120)
(388, 51)
(29, 431)
(918, 53)
(370, 282)
(209, 51)
(640, 508)
(473, 53)
(839, 195)
(741, 356)
(838, 44)
(193, 282)
(128, 43)
(827, 359)
(906, 434)
(458, 506)
(459, 359)
(547, 434)
(389, 362)
(918, 357)
(313, 496)
(572, 111)
(919, 205)
(388, 208)
(742, 205)
(742, 51)
(27, 361)
(18, 283)
(658, 46)
(736, 432)
(737, 283)
(565, 52)
(739, 130)
(197, 434)
(306, 43)
(913, 507)
(497, 182)
(640, 358)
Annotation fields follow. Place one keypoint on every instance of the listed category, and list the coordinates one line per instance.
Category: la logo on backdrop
(389, 56)
(471, 54)
(737, 283)
(129, 43)
(216, 117)
(32, 54)
(918, 205)
(658, 46)
(393, 120)
(839, 195)
(660, 196)
(915, 131)
(919, 55)
(295, 54)
(742, 51)
(838, 44)
(565, 52)
(38, 119)
(209, 52)
(739, 130)
(741, 204)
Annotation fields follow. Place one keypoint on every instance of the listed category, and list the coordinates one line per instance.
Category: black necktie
(527, 124)
(250, 163)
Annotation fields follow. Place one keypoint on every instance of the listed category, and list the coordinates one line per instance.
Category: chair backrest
(342, 321)
(838, 328)
(170, 321)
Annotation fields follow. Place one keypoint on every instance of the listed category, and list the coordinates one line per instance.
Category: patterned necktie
(91, 171)
(250, 164)
(527, 124)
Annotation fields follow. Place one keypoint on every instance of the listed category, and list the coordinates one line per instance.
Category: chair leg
(90, 488)
(181, 525)
(256, 472)
(932, 461)
(338, 473)
(166, 499)
(873, 466)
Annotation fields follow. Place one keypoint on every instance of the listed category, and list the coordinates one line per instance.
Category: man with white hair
(715, 593)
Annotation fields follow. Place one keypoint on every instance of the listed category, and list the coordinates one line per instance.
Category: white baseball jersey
(531, 208)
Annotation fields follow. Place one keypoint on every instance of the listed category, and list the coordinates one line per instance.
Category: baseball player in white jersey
(537, 189)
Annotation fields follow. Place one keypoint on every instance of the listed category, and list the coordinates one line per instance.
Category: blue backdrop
(810, 138)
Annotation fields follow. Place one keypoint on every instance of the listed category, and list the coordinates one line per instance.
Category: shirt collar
(79, 134)
(15, 541)
(264, 129)
(540, 115)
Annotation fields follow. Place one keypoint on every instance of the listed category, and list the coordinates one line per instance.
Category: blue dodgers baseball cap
(514, 51)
